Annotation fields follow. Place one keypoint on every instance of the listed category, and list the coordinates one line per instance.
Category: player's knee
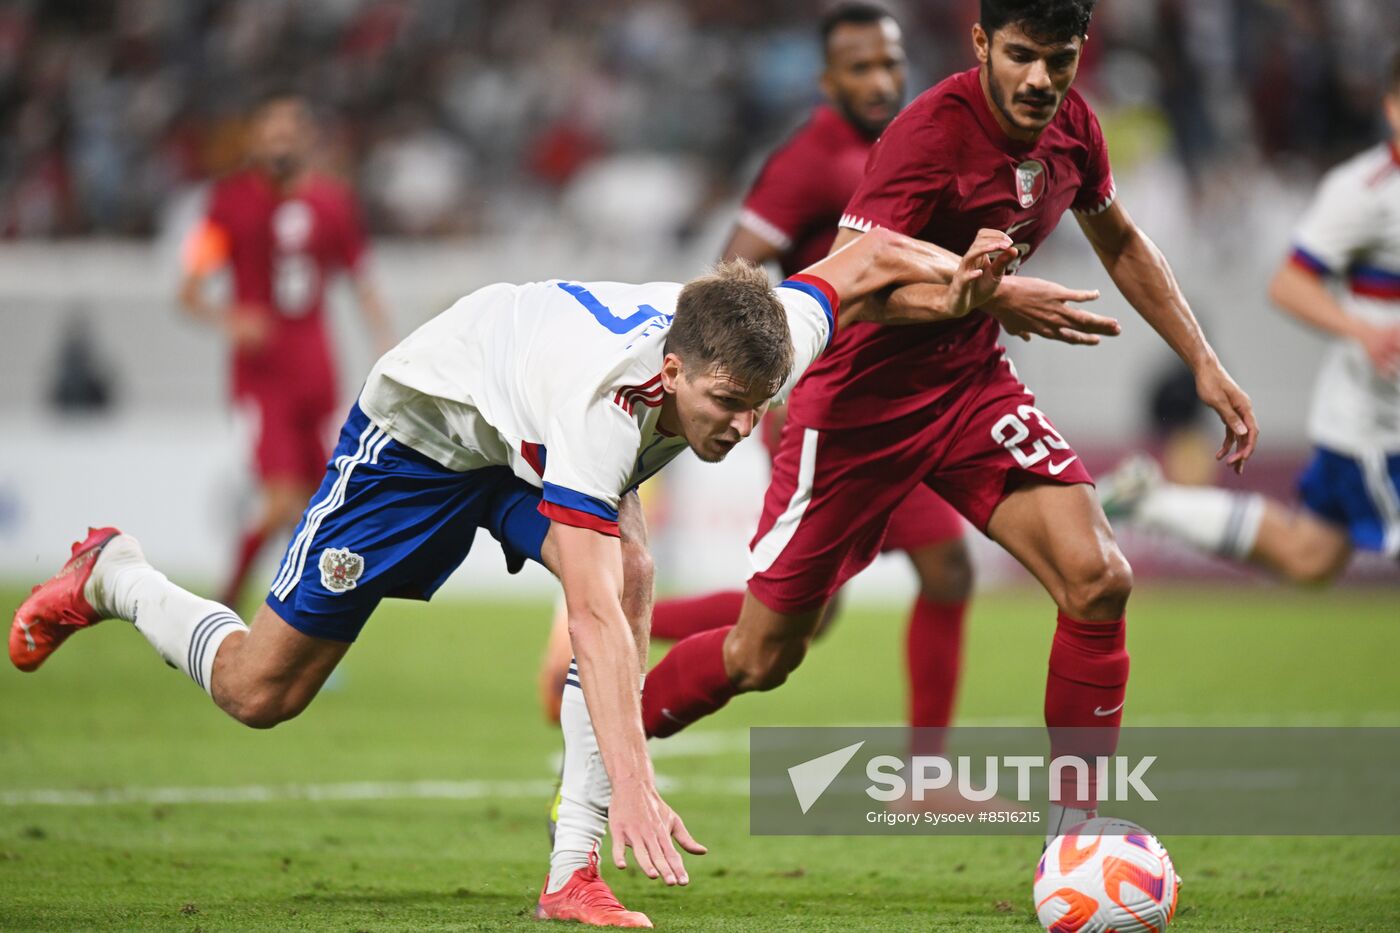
(264, 709)
(947, 577)
(1314, 567)
(1100, 589)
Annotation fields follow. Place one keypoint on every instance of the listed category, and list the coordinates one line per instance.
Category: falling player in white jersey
(531, 411)
(1350, 492)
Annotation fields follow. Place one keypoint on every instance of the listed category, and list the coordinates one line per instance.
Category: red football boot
(57, 608)
(587, 898)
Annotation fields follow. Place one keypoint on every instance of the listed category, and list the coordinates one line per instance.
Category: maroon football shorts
(921, 520)
(290, 429)
(834, 492)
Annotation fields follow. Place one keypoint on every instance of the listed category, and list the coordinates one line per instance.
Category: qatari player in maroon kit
(790, 217)
(282, 230)
(1007, 145)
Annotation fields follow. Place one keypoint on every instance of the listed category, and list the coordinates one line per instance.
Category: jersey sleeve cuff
(857, 222)
(1306, 261)
(820, 289)
(567, 516)
(1101, 205)
(571, 507)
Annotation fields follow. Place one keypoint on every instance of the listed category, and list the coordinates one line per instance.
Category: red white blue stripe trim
(535, 455)
(1374, 282)
(821, 290)
(1308, 262)
(571, 507)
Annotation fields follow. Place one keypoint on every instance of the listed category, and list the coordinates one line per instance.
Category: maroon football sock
(687, 684)
(1084, 699)
(674, 619)
(933, 659)
(248, 548)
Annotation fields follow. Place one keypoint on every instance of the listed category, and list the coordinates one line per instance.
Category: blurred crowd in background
(464, 116)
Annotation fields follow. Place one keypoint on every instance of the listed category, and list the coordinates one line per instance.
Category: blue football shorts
(1360, 494)
(391, 522)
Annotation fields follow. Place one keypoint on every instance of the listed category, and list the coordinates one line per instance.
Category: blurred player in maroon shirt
(282, 230)
(790, 217)
(1006, 145)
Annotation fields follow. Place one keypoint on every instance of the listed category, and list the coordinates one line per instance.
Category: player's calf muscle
(945, 572)
(1300, 547)
(272, 673)
(761, 655)
(764, 666)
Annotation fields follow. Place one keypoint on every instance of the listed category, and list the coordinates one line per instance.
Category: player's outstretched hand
(1220, 392)
(1382, 346)
(639, 818)
(980, 272)
(1030, 307)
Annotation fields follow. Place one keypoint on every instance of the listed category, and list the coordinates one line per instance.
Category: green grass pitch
(446, 693)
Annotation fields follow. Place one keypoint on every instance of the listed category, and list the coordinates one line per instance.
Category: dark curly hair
(1047, 21)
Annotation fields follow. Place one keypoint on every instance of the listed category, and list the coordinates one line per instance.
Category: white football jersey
(560, 381)
(1352, 230)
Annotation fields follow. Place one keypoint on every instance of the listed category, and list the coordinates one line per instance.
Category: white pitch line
(703, 743)
(270, 793)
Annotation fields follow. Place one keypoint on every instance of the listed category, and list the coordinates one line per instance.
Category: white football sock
(585, 792)
(186, 630)
(1214, 520)
(1062, 818)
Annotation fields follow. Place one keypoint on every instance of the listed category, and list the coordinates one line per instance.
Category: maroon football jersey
(941, 171)
(798, 197)
(283, 249)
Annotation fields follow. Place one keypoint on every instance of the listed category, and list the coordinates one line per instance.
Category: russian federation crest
(1030, 182)
(340, 568)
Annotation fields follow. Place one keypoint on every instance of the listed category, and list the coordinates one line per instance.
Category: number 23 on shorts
(1012, 431)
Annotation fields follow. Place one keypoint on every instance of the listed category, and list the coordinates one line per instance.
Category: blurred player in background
(1009, 145)
(283, 230)
(790, 217)
(1350, 492)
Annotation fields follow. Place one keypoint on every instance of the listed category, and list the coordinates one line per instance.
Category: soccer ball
(1105, 876)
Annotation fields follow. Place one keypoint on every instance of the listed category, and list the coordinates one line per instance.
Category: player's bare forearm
(745, 244)
(589, 565)
(862, 264)
(888, 278)
(907, 304)
(1145, 278)
(1306, 297)
(590, 568)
